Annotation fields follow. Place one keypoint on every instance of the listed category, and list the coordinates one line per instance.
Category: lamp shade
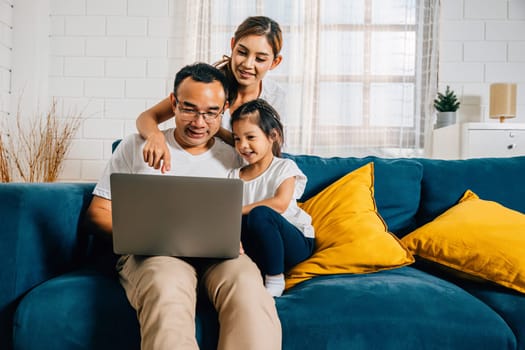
(502, 101)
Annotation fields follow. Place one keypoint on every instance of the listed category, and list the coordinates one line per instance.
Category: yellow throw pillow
(480, 238)
(350, 236)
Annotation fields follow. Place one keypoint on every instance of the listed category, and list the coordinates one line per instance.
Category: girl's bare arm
(155, 151)
(279, 202)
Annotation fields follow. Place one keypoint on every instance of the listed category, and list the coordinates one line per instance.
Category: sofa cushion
(350, 236)
(507, 303)
(445, 181)
(397, 184)
(480, 238)
(393, 309)
(88, 310)
(79, 310)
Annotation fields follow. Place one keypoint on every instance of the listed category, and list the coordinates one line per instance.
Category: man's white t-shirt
(265, 185)
(271, 92)
(128, 158)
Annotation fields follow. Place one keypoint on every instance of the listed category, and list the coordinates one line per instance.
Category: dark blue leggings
(272, 242)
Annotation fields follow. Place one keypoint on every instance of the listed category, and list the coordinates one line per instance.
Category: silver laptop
(176, 215)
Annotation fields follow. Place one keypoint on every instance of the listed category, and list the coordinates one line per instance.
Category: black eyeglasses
(190, 114)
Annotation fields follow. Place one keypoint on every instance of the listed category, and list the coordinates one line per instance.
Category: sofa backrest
(445, 181)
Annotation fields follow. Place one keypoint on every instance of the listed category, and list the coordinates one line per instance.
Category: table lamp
(502, 101)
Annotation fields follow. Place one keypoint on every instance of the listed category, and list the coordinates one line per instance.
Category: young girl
(276, 233)
(256, 47)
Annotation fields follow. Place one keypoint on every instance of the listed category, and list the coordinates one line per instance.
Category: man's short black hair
(201, 72)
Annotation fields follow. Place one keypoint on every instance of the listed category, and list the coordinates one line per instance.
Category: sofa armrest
(39, 238)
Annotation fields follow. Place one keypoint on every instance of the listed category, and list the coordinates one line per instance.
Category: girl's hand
(156, 152)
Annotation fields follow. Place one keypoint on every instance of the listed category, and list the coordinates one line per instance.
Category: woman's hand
(156, 152)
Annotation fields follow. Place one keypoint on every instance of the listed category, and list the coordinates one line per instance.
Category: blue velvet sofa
(58, 288)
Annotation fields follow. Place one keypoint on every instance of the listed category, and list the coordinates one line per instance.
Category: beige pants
(163, 292)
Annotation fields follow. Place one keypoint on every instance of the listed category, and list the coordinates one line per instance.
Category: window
(356, 71)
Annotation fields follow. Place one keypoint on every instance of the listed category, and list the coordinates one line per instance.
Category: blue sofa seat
(397, 309)
(60, 291)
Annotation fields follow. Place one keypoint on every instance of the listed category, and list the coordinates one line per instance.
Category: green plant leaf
(446, 102)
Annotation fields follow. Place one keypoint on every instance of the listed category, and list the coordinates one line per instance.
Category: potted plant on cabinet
(446, 104)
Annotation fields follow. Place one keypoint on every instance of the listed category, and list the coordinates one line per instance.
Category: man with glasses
(163, 289)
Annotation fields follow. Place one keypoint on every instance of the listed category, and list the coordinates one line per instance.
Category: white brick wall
(114, 58)
(6, 38)
(110, 57)
(482, 42)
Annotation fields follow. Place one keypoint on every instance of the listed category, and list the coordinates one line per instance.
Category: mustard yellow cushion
(478, 237)
(350, 236)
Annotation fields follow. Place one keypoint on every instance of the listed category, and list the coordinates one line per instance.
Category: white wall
(110, 59)
(482, 42)
(6, 40)
(117, 57)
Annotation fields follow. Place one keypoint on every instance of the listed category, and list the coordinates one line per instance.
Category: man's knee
(159, 275)
(238, 276)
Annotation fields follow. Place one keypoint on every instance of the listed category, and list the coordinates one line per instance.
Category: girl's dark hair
(255, 25)
(266, 117)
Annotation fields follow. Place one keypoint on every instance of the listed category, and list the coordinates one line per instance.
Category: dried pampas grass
(5, 173)
(35, 150)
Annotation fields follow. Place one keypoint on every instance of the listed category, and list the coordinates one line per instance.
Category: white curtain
(360, 75)
(197, 31)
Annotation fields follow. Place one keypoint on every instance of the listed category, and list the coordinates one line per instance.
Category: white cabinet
(477, 140)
